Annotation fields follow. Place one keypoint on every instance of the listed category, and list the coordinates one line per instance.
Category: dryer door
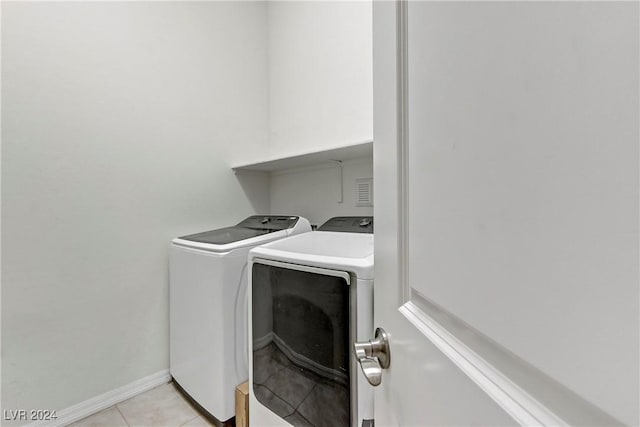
(301, 343)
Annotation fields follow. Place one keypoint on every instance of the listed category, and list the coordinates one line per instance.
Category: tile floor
(298, 395)
(162, 406)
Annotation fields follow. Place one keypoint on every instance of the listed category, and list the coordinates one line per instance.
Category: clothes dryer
(208, 307)
(311, 298)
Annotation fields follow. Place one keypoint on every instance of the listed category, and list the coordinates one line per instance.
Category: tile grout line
(122, 415)
(295, 410)
(302, 416)
(189, 420)
(305, 398)
(315, 384)
(282, 366)
(277, 396)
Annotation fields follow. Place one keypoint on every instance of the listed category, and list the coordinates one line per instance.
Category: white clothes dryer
(311, 298)
(208, 308)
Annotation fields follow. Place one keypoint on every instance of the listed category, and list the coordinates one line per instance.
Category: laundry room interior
(126, 125)
(190, 192)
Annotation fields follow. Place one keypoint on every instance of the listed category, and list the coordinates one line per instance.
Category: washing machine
(208, 307)
(311, 298)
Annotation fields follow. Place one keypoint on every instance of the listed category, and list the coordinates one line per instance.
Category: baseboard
(299, 359)
(263, 341)
(105, 400)
(312, 365)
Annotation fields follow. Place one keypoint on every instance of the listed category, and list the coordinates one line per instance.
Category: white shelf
(346, 152)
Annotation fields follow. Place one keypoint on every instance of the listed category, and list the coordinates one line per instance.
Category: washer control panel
(269, 222)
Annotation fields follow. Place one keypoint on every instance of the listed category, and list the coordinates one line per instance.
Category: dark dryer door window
(301, 363)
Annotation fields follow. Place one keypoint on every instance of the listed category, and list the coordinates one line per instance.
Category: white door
(506, 187)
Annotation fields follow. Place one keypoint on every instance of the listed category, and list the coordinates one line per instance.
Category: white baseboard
(105, 400)
(298, 358)
(263, 341)
(312, 365)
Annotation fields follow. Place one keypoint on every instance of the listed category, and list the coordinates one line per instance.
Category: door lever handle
(373, 356)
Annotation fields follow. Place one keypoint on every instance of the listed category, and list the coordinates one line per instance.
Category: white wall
(320, 96)
(120, 121)
(320, 75)
(313, 192)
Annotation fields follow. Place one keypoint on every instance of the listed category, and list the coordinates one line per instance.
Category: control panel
(349, 224)
(269, 222)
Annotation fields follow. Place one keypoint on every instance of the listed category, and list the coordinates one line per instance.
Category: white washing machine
(310, 299)
(208, 307)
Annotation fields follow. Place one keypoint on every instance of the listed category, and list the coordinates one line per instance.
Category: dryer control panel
(349, 224)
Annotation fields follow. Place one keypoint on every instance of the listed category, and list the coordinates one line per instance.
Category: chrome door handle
(374, 356)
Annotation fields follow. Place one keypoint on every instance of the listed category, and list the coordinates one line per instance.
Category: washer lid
(222, 236)
(253, 226)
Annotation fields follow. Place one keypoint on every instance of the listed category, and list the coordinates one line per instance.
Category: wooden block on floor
(242, 405)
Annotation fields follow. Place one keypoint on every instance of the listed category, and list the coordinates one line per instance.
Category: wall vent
(364, 192)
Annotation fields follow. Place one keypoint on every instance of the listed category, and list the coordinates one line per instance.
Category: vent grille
(364, 192)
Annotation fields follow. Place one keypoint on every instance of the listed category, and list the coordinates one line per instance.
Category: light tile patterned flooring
(300, 396)
(162, 406)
